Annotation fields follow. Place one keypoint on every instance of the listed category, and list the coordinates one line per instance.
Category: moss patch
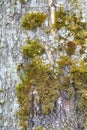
(32, 20)
(34, 48)
(22, 1)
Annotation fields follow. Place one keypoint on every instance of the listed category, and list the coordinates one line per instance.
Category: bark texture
(12, 37)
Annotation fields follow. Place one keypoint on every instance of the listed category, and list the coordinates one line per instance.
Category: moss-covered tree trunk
(54, 107)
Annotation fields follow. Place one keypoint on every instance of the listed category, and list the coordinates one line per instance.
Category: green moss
(31, 21)
(71, 47)
(68, 128)
(64, 61)
(85, 123)
(48, 92)
(34, 48)
(22, 92)
(83, 102)
(60, 18)
(1, 90)
(72, 23)
(19, 67)
(39, 128)
(24, 124)
(22, 1)
(38, 74)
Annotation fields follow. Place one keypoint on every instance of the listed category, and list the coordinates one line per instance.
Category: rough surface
(11, 39)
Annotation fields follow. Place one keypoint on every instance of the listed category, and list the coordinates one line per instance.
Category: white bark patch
(52, 14)
(49, 54)
(52, 11)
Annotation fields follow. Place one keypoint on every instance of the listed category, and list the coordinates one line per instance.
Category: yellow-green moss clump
(60, 18)
(23, 100)
(22, 1)
(40, 75)
(83, 101)
(72, 23)
(71, 47)
(39, 128)
(33, 48)
(32, 20)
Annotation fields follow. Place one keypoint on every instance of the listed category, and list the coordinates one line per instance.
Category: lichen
(2, 101)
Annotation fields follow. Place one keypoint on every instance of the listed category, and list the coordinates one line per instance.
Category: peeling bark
(52, 12)
(49, 54)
